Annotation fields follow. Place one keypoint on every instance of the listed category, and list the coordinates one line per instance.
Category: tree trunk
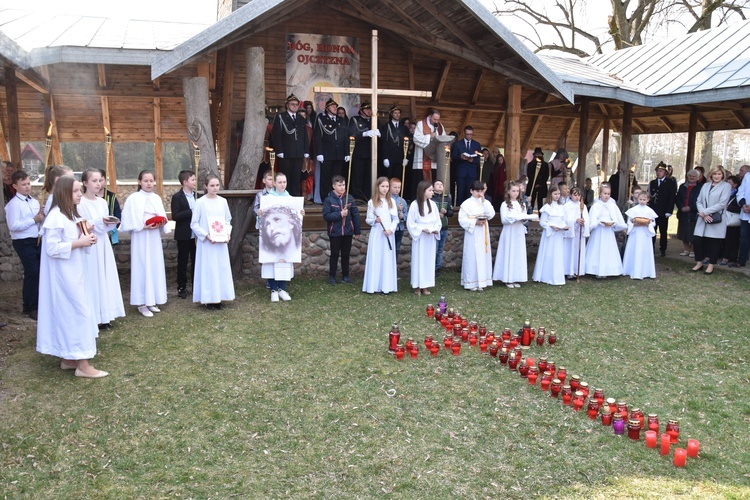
(705, 146)
(250, 155)
(198, 114)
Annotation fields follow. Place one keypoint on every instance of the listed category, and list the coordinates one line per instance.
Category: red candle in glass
(526, 334)
(673, 429)
(393, 337)
(456, 347)
(506, 334)
(464, 323)
(634, 430)
(599, 396)
(562, 373)
(430, 310)
(483, 346)
(447, 340)
(503, 356)
(464, 334)
(483, 330)
(593, 409)
(493, 349)
(650, 439)
(551, 366)
(664, 444)
(451, 312)
(434, 348)
(409, 343)
(542, 364)
(693, 446)
(513, 342)
(491, 337)
(575, 381)
(555, 388)
(523, 368)
(456, 330)
(540, 337)
(428, 341)
(546, 380)
(606, 415)
(567, 394)
(612, 405)
(438, 316)
(584, 388)
(512, 361)
(637, 414)
(414, 351)
(400, 351)
(473, 339)
(653, 422)
(552, 338)
(578, 401)
(680, 457)
(532, 375)
(622, 409)
(473, 327)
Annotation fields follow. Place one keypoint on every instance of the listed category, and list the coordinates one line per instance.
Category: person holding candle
(402, 209)
(144, 215)
(602, 254)
(474, 216)
(67, 326)
(550, 259)
(112, 205)
(212, 281)
(577, 219)
(24, 221)
(445, 206)
(510, 261)
(103, 288)
(424, 226)
(342, 220)
(638, 262)
(380, 266)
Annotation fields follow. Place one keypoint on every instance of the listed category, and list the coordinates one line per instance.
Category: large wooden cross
(374, 92)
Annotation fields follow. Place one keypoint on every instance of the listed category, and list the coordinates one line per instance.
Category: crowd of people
(72, 225)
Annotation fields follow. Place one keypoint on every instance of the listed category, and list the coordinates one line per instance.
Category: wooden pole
(513, 132)
(583, 135)
(624, 168)
(374, 117)
(605, 150)
(14, 134)
(692, 131)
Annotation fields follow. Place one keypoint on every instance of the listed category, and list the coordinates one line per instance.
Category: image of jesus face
(278, 230)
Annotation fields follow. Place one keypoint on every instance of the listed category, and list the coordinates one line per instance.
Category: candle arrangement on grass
(513, 351)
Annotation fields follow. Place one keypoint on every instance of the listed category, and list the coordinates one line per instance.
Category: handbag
(733, 219)
(715, 218)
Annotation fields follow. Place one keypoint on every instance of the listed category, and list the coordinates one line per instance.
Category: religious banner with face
(322, 61)
(280, 229)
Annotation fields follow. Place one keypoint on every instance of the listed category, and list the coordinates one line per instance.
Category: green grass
(301, 399)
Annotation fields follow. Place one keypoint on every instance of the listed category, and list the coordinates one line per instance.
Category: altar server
(550, 259)
(639, 252)
(144, 215)
(67, 326)
(577, 219)
(211, 223)
(510, 262)
(382, 216)
(101, 269)
(424, 225)
(474, 216)
(602, 254)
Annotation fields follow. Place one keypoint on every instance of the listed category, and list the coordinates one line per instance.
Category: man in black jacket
(537, 171)
(663, 192)
(289, 137)
(391, 146)
(331, 145)
(182, 205)
(360, 127)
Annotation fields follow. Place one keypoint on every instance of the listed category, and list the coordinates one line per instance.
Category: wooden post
(624, 168)
(198, 114)
(158, 165)
(513, 132)
(583, 135)
(412, 100)
(225, 126)
(14, 131)
(374, 108)
(692, 130)
(605, 151)
(4, 154)
(251, 152)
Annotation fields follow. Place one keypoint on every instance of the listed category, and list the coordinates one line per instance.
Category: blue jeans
(440, 245)
(277, 285)
(744, 242)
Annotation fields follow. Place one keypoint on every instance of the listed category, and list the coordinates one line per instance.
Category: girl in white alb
(474, 216)
(510, 262)
(638, 262)
(550, 260)
(382, 216)
(602, 253)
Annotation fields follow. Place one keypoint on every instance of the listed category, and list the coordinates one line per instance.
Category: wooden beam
(692, 130)
(412, 100)
(4, 154)
(624, 167)
(14, 130)
(699, 118)
(365, 90)
(594, 133)
(156, 84)
(740, 119)
(667, 123)
(158, 167)
(539, 96)
(603, 109)
(498, 128)
(111, 175)
(478, 87)
(583, 146)
(225, 117)
(33, 80)
(442, 80)
(203, 70)
(637, 125)
(513, 132)
(101, 71)
(466, 121)
(56, 151)
(605, 147)
(562, 141)
(526, 144)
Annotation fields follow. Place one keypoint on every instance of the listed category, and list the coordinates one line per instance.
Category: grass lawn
(301, 399)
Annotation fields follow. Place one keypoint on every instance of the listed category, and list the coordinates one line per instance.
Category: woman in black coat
(687, 211)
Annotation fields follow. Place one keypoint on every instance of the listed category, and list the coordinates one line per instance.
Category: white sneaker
(284, 295)
(274, 296)
(684, 254)
(144, 310)
(692, 254)
(516, 285)
(154, 309)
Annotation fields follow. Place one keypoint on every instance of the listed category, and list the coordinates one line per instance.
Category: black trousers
(292, 168)
(361, 181)
(328, 169)
(185, 251)
(30, 253)
(340, 245)
(661, 226)
(706, 247)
